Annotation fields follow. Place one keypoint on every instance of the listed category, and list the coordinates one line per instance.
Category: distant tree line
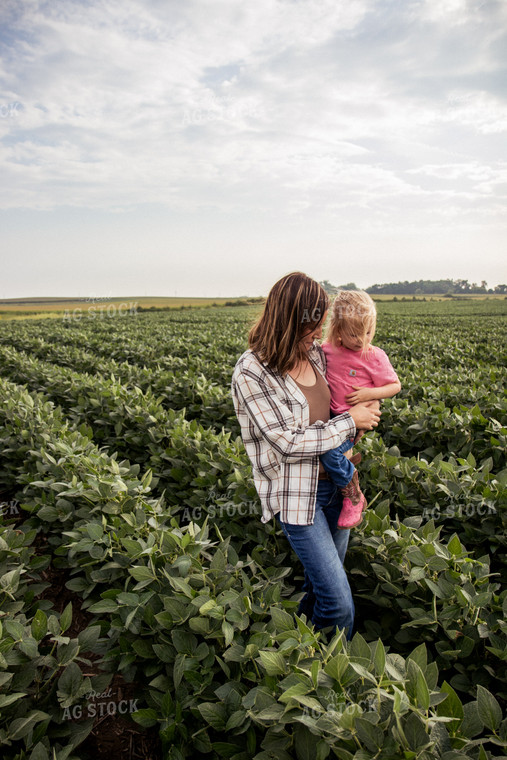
(333, 289)
(421, 287)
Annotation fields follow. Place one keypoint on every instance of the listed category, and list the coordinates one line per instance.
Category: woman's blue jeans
(321, 549)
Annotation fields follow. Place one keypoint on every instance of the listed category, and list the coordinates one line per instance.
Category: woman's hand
(365, 417)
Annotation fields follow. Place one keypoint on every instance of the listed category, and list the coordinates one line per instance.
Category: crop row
(210, 476)
(219, 337)
(144, 339)
(206, 622)
(184, 382)
(178, 389)
(40, 662)
(446, 367)
(428, 428)
(183, 455)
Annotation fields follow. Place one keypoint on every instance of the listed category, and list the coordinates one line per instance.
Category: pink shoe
(353, 504)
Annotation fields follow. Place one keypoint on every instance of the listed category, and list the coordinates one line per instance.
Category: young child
(357, 372)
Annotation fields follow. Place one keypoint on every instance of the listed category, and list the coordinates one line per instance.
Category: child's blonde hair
(353, 314)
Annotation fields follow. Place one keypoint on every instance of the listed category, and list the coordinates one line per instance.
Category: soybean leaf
(490, 711)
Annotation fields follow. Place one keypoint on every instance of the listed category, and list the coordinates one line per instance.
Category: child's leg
(339, 468)
(343, 473)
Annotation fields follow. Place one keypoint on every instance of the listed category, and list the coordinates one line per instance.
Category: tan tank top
(318, 396)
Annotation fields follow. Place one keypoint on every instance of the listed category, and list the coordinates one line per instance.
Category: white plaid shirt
(274, 417)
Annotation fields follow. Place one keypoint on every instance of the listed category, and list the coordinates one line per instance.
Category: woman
(282, 400)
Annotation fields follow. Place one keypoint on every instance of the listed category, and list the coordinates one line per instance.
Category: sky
(206, 148)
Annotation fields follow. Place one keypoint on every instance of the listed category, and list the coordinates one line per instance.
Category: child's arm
(360, 395)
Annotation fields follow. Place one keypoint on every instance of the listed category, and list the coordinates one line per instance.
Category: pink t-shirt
(346, 368)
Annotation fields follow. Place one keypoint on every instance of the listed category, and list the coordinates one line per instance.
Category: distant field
(27, 308)
(19, 308)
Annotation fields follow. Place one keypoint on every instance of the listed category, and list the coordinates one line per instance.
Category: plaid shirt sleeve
(276, 418)
(282, 447)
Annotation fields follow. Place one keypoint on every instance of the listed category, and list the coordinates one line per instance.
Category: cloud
(282, 107)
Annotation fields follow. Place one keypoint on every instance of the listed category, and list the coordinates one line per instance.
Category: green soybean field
(147, 612)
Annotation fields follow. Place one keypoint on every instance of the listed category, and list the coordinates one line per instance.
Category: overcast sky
(181, 147)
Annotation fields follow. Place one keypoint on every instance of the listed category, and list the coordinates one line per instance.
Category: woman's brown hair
(295, 306)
